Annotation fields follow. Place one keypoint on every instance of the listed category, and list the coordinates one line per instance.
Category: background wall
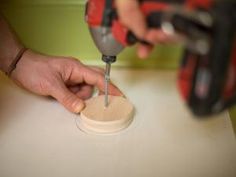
(57, 27)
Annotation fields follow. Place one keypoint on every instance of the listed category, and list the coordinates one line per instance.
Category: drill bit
(107, 80)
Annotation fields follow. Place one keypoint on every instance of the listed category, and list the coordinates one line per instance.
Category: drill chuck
(108, 59)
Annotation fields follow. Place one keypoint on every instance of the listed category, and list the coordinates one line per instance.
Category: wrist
(29, 59)
(22, 67)
(7, 56)
(12, 66)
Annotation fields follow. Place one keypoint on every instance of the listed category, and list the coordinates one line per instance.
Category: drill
(207, 74)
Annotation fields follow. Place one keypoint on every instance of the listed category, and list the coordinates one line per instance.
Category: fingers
(85, 92)
(94, 78)
(131, 16)
(68, 99)
(74, 89)
(155, 36)
(82, 91)
(110, 86)
(97, 79)
(144, 50)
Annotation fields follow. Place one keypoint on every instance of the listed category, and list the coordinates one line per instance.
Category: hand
(131, 16)
(65, 79)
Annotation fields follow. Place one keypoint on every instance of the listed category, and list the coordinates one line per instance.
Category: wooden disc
(98, 119)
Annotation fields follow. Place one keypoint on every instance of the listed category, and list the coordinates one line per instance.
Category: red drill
(207, 76)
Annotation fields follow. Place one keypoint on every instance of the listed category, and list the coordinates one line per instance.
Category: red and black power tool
(207, 75)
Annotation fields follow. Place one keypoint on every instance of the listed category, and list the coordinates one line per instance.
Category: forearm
(10, 45)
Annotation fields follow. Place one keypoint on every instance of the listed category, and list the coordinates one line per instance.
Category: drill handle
(173, 17)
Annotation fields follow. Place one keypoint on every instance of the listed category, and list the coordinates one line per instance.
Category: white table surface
(39, 138)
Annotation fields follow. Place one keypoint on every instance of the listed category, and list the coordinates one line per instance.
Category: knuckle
(69, 102)
(66, 99)
(99, 80)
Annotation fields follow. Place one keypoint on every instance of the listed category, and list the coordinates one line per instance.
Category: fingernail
(79, 107)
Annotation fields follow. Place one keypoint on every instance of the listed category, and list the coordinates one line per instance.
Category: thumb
(68, 99)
